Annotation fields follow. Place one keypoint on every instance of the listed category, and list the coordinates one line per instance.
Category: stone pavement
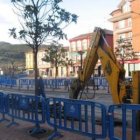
(21, 132)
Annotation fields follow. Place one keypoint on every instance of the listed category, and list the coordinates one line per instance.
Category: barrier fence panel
(25, 107)
(24, 83)
(84, 117)
(3, 110)
(76, 116)
(52, 83)
(1, 102)
(104, 83)
(31, 83)
(128, 118)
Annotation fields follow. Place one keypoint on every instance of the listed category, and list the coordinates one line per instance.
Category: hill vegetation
(12, 53)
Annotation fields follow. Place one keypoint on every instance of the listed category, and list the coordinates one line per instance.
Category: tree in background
(40, 20)
(124, 51)
(55, 55)
(68, 63)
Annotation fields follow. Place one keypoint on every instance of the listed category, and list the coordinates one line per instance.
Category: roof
(87, 35)
(116, 10)
(82, 36)
(119, 6)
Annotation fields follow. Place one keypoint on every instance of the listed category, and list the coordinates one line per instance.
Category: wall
(136, 24)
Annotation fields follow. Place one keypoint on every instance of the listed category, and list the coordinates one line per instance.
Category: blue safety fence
(3, 109)
(27, 83)
(2, 105)
(52, 83)
(25, 107)
(87, 118)
(129, 119)
(7, 81)
(76, 116)
(56, 83)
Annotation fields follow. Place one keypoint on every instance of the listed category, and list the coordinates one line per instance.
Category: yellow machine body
(121, 90)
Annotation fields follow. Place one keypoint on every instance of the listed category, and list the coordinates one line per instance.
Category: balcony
(123, 30)
(121, 17)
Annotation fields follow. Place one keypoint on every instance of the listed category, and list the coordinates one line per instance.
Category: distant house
(80, 44)
(45, 68)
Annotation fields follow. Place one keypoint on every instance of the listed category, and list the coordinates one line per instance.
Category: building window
(129, 22)
(79, 47)
(126, 8)
(121, 24)
(73, 46)
(116, 25)
(84, 44)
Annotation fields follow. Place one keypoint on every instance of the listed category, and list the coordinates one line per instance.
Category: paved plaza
(21, 131)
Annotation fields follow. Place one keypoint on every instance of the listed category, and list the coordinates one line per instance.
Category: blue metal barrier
(24, 83)
(27, 83)
(128, 114)
(76, 116)
(3, 109)
(31, 82)
(104, 83)
(7, 81)
(27, 108)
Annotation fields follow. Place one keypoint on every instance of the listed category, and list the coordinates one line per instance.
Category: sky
(91, 13)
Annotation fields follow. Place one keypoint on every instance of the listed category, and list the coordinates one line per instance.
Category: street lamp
(81, 58)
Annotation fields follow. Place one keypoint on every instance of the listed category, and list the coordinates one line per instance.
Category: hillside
(12, 53)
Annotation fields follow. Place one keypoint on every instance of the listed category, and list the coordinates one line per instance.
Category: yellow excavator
(122, 90)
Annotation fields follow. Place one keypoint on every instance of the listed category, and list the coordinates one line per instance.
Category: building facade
(45, 68)
(126, 21)
(79, 46)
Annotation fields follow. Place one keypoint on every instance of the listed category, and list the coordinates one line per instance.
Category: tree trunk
(56, 71)
(35, 72)
(67, 71)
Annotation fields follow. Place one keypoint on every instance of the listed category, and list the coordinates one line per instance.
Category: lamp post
(81, 58)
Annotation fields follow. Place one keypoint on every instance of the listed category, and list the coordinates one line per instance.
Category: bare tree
(40, 20)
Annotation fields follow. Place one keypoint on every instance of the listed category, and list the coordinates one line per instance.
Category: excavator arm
(114, 72)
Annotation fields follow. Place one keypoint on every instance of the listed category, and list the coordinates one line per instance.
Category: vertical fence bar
(133, 125)
(124, 124)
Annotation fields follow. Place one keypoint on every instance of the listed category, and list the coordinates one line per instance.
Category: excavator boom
(114, 72)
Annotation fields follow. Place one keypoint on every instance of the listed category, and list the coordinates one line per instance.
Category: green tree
(124, 51)
(40, 20)
(56, 56)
